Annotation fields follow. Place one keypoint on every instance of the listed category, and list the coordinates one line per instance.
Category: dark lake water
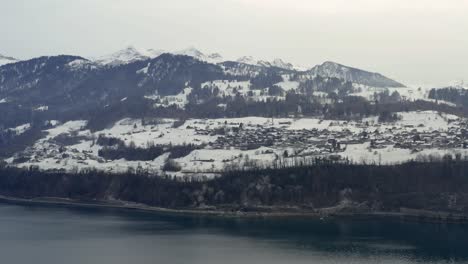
(33, 234)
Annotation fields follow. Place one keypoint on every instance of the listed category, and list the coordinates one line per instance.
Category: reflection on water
(58, 235)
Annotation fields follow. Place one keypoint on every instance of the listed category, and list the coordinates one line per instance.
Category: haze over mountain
(66, 72)
(131, 54)
(68, 85)
(329, 69)
(375, 35)
(5, 60)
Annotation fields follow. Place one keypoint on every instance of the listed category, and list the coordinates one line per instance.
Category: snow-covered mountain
(247, 60)
(74, 82)
(128, 55)
(5, 60)
(132, 72)
(327, 69)
(152, 53)
(132, 54)
(44, 76)
(278, 63)
(346, 73)
(193, 52)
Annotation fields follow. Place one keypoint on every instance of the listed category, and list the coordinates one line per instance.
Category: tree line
(440, 185)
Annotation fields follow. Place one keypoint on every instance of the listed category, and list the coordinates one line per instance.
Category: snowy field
(410, 93)
(46, 153)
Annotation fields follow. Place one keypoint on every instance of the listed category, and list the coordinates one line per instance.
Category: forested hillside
(435, 186)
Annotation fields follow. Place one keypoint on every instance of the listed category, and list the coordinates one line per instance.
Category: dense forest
(458, 96)
(348, 107)
(115, 148)
(431, 185)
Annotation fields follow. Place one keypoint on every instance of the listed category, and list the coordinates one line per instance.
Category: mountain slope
(39, 78)
(166, 74)
(75, 83)
(354, 75)
(249, 66)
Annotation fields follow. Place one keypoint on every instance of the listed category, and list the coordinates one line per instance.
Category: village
(216, 144)
(416, 137)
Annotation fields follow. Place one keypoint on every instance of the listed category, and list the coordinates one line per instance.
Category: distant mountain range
(131, 54)
(71, 83)
(327, 69)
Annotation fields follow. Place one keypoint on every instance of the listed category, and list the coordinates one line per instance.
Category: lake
(57, 235)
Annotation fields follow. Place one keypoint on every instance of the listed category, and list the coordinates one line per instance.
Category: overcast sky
(412, 41)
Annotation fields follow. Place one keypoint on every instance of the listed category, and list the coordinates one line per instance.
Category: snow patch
(20, 129)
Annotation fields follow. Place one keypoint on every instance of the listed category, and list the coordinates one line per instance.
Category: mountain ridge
(128, 71)
(352, 74)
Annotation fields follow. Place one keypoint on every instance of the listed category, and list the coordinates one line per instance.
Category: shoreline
(65, 202)
(408, 215)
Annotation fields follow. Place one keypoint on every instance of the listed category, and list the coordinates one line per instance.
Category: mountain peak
(354, 75)
(277, 62)
(191, 51)
(331, 63)
(131, 54)
(153, 53)
(280, 63)
(247, 60)
(194, 52)
(127, 55)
